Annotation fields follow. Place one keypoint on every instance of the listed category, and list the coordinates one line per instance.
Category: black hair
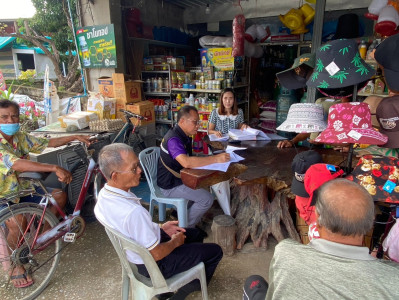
(185, 111)
(7, 103)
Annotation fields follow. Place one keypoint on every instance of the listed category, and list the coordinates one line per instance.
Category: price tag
(355, 135)
(332, 68)
(331, 168)
(389, 186)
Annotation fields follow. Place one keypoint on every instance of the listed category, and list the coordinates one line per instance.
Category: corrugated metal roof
(4, 41)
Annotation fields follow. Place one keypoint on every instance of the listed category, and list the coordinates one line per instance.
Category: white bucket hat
(304, 117)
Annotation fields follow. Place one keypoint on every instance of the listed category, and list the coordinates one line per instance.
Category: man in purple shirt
(176, 154)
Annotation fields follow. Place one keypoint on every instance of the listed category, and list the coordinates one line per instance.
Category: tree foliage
(50, 29)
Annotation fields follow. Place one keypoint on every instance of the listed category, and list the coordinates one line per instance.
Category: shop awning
(4, 41)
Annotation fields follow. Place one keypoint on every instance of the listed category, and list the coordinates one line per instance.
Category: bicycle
(35, 243)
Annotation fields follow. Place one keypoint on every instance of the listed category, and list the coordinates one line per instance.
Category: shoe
(202, 232)
(20, 276)
(164, 296)
(173, 213)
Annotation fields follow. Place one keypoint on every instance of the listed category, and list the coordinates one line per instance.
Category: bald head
(345, 208)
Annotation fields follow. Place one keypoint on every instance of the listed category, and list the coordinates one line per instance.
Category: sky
(15, 9)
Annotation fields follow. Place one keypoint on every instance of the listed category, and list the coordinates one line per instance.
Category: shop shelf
(156, 94)
(161, 121)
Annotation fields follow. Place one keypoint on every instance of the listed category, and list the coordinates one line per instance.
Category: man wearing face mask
(14, 159)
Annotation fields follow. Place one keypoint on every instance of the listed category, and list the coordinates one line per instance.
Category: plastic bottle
(178, 99)
(166, 85)
(370, 49)
(363, 49)
(148, 85)
(196, 104)
(191, 100)
(197, 143)
(160, 85)
(85, 51)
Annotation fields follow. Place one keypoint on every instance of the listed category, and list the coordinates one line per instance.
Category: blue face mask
(9, 129)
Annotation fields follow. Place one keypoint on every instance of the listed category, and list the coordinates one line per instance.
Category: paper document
(230, 149)
(223, 166)
(249, 134)
(214, 138)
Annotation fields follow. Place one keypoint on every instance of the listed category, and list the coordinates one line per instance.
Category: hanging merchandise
(386, 12)
(297, 18)
(238, 35)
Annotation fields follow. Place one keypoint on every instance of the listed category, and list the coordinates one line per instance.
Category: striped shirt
(224, 123)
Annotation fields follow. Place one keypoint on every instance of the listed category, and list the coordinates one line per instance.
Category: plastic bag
(391, 243)
(238, 35)
(222, 192)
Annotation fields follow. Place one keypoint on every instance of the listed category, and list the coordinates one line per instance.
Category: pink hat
(350, 123)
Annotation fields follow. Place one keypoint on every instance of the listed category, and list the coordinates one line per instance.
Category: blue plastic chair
(149, 161)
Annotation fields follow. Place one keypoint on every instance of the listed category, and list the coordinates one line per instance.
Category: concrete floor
(90, 269)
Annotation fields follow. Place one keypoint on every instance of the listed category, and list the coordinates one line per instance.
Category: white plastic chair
(141, 286)
(149, 161)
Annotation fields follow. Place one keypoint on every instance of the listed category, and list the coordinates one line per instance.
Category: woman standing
(227, 116)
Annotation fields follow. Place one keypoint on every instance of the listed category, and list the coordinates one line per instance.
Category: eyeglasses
(134, 170)
(195, 122)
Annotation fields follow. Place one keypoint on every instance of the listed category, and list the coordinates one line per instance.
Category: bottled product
(363, 49)
(191, 100)
(196, 104)
(148, 85)
(85, 51)
(160, 84)
(166, 85)
(197, 143)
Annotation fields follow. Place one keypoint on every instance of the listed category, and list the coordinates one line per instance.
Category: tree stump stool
(224, 233)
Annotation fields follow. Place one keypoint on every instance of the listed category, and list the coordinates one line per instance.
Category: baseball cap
(387, 114)
(386, 55)
(301, 163)
(255, 288)
(318, 174)
(289, 79)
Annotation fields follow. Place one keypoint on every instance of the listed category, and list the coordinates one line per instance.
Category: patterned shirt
(22, 144)
(223, 122)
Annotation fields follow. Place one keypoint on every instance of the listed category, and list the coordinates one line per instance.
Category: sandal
(20, 276)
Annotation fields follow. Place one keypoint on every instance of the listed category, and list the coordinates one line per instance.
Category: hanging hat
(350, 123)
(289, 78)
(387, 114)
(317, 175)
(379, 176)
(301, 163)
(386, 55)
(347, 27)
(338, 64)
(304, 117)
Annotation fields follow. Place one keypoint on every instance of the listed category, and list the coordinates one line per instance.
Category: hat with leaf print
(350, 123)
(338, 64)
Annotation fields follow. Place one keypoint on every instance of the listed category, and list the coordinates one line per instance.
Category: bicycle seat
(34, 175)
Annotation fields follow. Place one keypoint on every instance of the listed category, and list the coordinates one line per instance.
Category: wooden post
(224, 233)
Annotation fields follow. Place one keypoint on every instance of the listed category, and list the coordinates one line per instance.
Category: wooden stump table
(260, 194)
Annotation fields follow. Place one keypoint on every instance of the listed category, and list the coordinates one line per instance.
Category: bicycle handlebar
(133, 115)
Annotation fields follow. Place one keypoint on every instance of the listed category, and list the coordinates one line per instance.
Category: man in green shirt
(14, 159)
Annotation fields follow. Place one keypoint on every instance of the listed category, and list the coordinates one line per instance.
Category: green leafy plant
(7, 94)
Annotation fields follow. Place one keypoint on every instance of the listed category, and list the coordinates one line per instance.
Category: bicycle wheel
(18, 226)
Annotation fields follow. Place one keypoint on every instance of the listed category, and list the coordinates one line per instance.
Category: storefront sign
(3, 86)
(97, 46)
(220, 58)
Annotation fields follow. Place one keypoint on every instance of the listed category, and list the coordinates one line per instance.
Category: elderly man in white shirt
(175, 249)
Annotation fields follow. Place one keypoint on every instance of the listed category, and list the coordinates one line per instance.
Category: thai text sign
(220, 58)
(97, 46)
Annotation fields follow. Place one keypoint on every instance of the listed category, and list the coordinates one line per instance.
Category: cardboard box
(126, 91)
(103, 107)
(143, 108)
(106, 86)
(80, 119)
